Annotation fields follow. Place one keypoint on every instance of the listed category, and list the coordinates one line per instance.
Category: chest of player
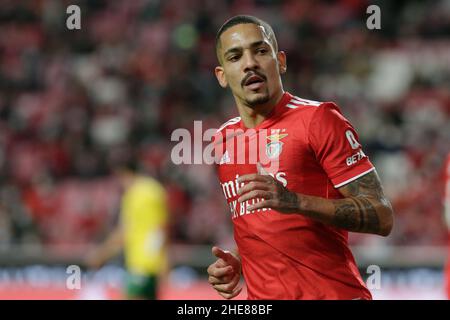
(283, 152)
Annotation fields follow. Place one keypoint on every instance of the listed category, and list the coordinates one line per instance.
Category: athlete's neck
(253, 116)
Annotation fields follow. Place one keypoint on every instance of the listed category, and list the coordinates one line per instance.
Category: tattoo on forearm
(370, 221)
(361, 214)
(357, 213)
(345, 215)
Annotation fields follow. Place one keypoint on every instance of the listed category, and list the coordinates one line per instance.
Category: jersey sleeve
(336, 146)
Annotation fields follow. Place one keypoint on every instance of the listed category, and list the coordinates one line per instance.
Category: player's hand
(262, 185)
(225, 273)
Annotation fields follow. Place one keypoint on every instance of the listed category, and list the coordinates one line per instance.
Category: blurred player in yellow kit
(141, 233)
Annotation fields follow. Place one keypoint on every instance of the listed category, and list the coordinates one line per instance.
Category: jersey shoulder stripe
(229, 123)
(296, 102)
(306, 101)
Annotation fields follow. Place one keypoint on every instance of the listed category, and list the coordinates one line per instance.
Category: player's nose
(249, 62)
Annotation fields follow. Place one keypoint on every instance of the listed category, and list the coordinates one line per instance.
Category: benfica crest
(275, 146)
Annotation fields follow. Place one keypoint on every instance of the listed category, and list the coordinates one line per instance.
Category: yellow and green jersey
(144, 218)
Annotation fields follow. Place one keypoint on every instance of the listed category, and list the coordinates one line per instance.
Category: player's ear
(281, 57)
(220, 75)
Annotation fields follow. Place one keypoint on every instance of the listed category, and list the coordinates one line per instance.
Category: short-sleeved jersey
(311, 149)
(144, 217)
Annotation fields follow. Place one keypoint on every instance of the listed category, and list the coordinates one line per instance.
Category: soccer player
(141, 234)
(291, 214)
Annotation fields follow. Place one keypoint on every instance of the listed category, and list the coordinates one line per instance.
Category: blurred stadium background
(74, 103)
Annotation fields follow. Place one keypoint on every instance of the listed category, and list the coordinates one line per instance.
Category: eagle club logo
(275, 146)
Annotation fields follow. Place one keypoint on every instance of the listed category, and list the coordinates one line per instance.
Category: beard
(260, 99)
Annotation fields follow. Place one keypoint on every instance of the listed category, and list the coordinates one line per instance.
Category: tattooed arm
(364, 209)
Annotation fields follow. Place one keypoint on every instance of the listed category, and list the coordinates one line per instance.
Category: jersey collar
(276, 112)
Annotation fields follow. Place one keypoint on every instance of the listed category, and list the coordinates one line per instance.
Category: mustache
(250, 74)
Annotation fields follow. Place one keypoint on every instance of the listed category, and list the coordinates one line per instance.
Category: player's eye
(262, 50)
(233, 58)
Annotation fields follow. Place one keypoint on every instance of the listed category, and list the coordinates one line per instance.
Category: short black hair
(243, 19)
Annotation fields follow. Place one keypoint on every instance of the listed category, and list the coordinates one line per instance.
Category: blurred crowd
(76, 103)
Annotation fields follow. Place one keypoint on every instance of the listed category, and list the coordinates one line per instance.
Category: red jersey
(315, 151)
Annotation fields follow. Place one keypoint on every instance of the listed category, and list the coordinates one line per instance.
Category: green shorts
(141, 287)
